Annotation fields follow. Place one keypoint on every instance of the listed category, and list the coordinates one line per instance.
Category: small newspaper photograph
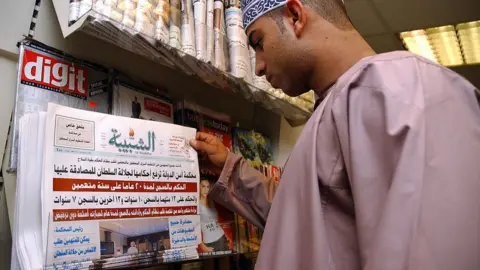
(133, 102)
(116, 186)
(217, 222)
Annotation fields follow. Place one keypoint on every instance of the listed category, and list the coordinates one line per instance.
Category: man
(136, 108)
(133, 248)
(385, 174)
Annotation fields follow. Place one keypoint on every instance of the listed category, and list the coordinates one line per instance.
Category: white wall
(15, 17)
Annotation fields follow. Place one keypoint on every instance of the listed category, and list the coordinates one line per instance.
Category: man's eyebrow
(250, 38)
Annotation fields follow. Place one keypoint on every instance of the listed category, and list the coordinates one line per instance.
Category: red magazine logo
(52, 74)
(158, 107)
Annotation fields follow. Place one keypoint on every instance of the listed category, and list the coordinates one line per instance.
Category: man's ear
(296, 16)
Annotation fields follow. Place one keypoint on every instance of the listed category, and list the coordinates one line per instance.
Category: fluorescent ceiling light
(417, 42)
(469, 35)
(448, 45)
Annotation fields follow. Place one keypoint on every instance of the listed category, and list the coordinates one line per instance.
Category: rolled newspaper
(128, 7)
(188, 28)
(109, 9)
(175, 24)
(162, 23)
(73, 11)
(240, 66)
(259, 82)
(85, 6)
(200, 15)
(210, 35)
(219, 36)
(145, 18)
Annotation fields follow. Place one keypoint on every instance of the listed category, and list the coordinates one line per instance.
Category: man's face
(279, 55)
(132, 244)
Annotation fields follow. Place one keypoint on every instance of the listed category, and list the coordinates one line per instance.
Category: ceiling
(136, 227)
(379, 22)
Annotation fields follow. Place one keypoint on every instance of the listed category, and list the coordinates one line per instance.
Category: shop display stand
(111, 31)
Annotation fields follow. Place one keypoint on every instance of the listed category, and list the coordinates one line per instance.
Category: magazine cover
(252, 146)
(217, 222)
(205, 120)
(117, 187)
(133, 102)
(49, 75)
(243, 143)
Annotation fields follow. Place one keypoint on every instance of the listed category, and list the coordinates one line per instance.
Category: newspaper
(219, 36)
(85, 6)
(175, 24)
(73, 11)
(109, 8)
(145, 20)
(115, 186)
(259, 82)
(129, 8)
(200, 15)
(210, 35)
(162, 21)
(237, 44)
(188, 28)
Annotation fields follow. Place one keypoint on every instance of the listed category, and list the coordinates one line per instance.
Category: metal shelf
(111, 31)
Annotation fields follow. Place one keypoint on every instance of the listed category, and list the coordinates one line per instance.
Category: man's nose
(260, 66)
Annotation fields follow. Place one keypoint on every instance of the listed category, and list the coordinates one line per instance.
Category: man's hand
(212, 146)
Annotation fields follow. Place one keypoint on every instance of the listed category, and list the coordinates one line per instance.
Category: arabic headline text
(121, 213)
(89, 185)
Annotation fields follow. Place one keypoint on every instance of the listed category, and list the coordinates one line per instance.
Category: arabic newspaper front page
(115, 186)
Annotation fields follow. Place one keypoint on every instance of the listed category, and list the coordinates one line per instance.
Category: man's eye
(259, 44)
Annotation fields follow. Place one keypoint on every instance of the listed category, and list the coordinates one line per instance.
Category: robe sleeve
(244, 190)
(412, 160)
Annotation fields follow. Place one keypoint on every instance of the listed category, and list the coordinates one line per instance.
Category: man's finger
(203, 147)
(205, 137)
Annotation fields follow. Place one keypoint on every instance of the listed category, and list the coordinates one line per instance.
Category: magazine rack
(121, 35)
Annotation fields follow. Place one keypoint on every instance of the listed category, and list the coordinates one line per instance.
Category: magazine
(49, 75)
(205, 120)
(216, 221)
(252, 146)
(116, 186)
(130, 101)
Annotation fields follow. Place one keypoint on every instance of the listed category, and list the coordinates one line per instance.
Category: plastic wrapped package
(220, 48)
(175, 24)
(200, 15)
(85, 6)
(129, 8)
(237, 42)
(259, 82)
(73, 11)
(109, 8)
(162, 21)
(210, 35)
(188, 28)
(145, 19)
